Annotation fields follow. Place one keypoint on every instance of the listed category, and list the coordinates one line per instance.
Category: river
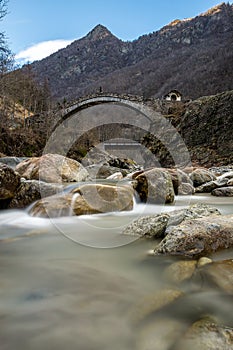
(73, 283)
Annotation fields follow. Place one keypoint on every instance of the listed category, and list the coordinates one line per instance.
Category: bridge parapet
(128, 97)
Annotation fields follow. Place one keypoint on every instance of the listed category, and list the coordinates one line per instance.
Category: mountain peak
(215, 9)
(99, 32)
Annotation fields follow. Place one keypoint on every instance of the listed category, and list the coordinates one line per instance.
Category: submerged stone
(160, 334)
(154, 303)
(205, 334)
(220, 273)
(180, 271)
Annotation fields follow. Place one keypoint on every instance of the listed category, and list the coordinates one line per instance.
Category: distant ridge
(193, 55)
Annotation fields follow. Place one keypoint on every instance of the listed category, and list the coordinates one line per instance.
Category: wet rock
(186, 189)
(227, 175)
(32, 190)
(220, 273)
(199, 237)
(182, 183)
(200, 176)
(218, 171)
(100, 158)
(116, 176)
(160, 334)
(9, 181)
(106, 198)
(180, 271)
(210, 186)
(52, 168)
(96, 156)
(87, 199)
(155, 186)
(134, 174)
(154, 303)
(204, 261)
(223, 192)
(102, 171)
(154, 226)
(230, 182)
(205, 334)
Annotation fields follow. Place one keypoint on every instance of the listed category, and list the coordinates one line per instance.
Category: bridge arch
(149, 119)
(133, 102)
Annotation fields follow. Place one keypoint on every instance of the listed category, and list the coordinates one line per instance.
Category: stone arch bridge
(145, 114)
(142, 112)
(135, 102)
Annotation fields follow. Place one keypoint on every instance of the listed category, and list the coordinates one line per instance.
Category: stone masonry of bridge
(153, 116)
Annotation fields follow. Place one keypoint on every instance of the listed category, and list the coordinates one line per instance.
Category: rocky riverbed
(172, 286)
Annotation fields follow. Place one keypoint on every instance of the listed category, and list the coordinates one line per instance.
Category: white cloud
(41, 50)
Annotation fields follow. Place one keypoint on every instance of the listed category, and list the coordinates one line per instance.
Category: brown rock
(154, 226)
(181, 182)
(180, 271)
(155, 186)
(9, 181)
(205, 334)
(223, 192)
(52, 168)
(196, 238)
(153, 303)
(200, 176)
(220, 273)
(88, 199)
(31, 191)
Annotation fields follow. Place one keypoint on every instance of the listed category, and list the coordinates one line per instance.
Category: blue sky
(47, 25)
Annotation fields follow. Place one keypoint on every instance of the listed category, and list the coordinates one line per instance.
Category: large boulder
(87, 199)
(52, 168)
(198, 237)
(223, 192)
(223, 180)
(154, 226)
(210, 186)
(182, 183)
(200, 176)
(155, 186)
(206, 334)
(9, 181)
(101, 165)
(30, 191)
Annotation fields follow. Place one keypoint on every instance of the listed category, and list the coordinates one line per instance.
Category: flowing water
(74, 283)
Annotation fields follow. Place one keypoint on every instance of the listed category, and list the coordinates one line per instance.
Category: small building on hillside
(173, 95)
